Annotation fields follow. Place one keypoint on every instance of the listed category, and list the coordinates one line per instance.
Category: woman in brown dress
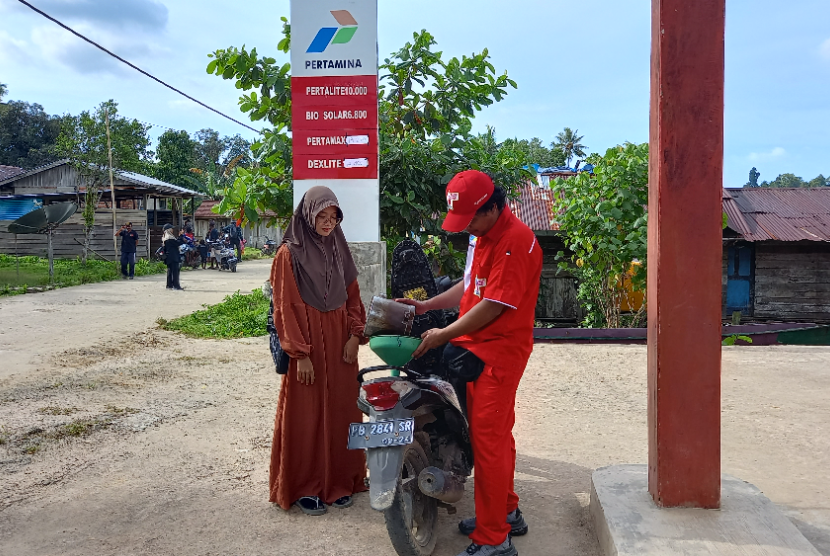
(319, 319)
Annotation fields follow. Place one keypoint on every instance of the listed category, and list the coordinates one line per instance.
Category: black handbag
(461, 365)
(280, 357)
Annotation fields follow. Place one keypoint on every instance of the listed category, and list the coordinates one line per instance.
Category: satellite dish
(44, 220)
(40, 220)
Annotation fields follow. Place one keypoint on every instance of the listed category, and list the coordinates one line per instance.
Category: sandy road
(136, 441)
(36, 326)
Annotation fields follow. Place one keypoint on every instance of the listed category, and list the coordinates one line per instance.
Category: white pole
(112, 186)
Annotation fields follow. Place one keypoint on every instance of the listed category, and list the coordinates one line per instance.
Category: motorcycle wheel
(411, 519)
(233, 268)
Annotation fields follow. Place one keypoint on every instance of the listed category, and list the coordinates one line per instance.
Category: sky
(583, 64)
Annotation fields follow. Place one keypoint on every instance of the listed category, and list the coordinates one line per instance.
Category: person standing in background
(234, 234)
(129, 246)
(172, 240)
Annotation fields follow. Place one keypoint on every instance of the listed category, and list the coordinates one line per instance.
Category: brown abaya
(309, 455)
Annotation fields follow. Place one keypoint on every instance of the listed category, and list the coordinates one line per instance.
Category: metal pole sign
(334, 92)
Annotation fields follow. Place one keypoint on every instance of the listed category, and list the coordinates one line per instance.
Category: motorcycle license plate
(381, 434)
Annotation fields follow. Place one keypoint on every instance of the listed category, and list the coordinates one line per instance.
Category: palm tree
(568, 142)
(3, 91)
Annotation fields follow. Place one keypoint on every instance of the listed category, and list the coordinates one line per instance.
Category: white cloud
(59, 46)
(824, 49)
(777, 152)
(13, 51)
(147, 15)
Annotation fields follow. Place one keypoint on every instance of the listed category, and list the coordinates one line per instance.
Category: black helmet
(167, 227)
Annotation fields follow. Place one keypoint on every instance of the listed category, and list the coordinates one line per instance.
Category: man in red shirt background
(497, 308)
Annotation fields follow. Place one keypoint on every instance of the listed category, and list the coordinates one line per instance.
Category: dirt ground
(119, 438)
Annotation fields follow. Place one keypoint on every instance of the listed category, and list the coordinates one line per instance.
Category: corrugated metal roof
(204, 212)
(763, 214)
(12, 209)
(158, 185)
(7, 172)
(131, 177)
(534, 207)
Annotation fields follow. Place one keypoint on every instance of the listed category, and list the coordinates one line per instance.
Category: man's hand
(305, 371)
(350, 349)
(432, 338)
(421, 307)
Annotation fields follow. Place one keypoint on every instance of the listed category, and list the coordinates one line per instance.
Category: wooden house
(776, 254)
(146, 202)
(557, 291)
(254, 234)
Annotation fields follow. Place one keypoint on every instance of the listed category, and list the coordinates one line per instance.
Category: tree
(3, 91)
(819, 181)
(208, 146)
(569, 143)
(83, 140)
(426, 107)
(27, 134)
(753, 178)
(175, 156)
(785, 180)
(537, 153)
(604, 221)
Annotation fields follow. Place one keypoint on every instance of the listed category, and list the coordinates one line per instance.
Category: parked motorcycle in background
(269, 248)
(188, 255)
(223, 255)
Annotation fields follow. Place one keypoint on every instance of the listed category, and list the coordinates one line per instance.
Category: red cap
(466, 193)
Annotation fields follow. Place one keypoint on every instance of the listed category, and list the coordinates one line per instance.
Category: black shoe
(504, 549)
(131, 277)
(343, 502)
(311, 505)
(518, 526)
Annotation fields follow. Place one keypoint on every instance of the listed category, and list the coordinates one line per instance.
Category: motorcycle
(188, 255)
(224, 255)
(269, 248)
(418, 452)
(417, 437)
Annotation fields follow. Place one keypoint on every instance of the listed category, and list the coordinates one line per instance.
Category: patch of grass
(119, 411)
(79, 427)
(238, 316)
(253, 254)
(32, 448)
(4, 435)
(34, 272)
(57, 410)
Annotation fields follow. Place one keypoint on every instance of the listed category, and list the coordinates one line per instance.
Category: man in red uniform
(498, 303)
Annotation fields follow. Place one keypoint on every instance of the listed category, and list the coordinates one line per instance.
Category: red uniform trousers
(491, 403)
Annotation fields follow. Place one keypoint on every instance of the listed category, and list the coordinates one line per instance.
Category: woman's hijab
(168, 233)
(323, 266)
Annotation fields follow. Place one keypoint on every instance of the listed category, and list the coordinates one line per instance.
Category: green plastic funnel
(394, 350)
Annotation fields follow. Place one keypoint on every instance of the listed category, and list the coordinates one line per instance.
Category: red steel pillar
(684, 252)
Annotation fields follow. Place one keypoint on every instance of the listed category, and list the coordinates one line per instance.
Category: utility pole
(112, 186)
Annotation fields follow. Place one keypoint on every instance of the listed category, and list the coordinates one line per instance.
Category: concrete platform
(627, 521)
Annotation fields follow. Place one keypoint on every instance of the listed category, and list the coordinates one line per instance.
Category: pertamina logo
(335, 35)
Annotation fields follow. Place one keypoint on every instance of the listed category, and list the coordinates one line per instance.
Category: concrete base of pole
(370, 258)
(627, 521)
